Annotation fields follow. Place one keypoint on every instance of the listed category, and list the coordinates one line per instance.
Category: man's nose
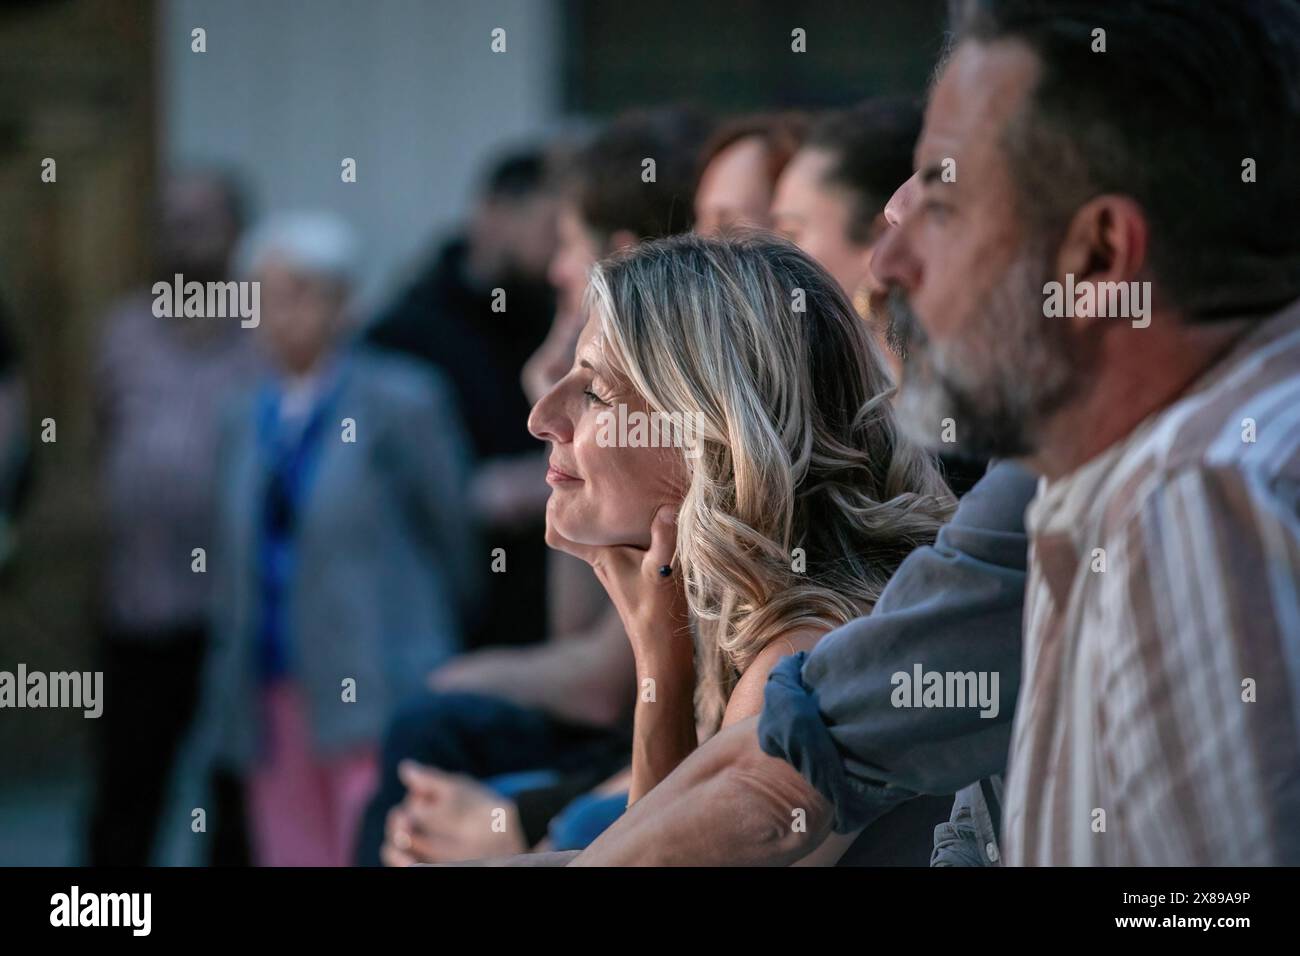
(893, 261)
(904, 198)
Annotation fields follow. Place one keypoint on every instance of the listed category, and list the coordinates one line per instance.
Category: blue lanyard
(290, 460)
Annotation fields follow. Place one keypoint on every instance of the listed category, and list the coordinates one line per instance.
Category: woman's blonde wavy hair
(797, 446)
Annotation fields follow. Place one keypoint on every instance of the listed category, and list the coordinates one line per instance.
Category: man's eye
(593, 397)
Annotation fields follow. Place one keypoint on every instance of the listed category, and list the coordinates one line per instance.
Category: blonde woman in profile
(779, 514)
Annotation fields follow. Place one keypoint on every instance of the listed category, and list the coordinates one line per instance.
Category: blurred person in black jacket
(160, 382)
(476, 312)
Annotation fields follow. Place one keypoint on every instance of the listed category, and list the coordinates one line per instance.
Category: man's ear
(1106, 241)
(622, 239)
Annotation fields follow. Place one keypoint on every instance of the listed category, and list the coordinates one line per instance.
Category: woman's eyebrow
(598, 369)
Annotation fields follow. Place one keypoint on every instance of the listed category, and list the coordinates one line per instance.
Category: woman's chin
(577, 525)
(582, 532)
(583, 536)
(567, 530)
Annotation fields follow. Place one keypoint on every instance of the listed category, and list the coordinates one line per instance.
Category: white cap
(319, 243)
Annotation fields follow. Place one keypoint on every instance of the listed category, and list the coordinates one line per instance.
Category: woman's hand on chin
(651, 604)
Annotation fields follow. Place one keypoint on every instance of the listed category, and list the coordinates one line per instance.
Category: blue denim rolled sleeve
(955, 606)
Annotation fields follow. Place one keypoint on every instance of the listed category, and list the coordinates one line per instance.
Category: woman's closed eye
(593, 398)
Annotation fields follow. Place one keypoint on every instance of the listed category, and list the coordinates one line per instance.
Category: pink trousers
(304, 810)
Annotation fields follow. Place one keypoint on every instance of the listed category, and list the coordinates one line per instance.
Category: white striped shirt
(1158, 721)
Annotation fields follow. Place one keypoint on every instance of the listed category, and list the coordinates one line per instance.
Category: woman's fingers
(399, 839)
(428, 785)
(410, 837)
(430, 849)
(663, 541)
(391, 856)
(420, 780)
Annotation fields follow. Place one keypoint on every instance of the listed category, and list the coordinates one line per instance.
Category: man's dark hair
(516, 176)
(872, 147)
(1183, 95)
(606, 180)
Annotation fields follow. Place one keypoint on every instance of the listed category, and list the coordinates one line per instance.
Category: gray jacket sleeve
(952, 607)
(433, 462)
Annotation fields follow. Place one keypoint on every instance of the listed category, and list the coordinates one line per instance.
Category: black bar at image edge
(330, 906)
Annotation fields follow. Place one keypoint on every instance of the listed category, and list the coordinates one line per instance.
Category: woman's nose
(548, 420)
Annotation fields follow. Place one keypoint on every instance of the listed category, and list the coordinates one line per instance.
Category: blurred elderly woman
(343, 557)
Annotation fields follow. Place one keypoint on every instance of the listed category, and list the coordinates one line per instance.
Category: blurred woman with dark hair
(739, 168)
(830, 200)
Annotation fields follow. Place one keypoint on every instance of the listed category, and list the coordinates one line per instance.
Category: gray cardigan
(386, 560)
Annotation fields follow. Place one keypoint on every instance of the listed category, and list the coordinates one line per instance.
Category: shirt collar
(1060, 504)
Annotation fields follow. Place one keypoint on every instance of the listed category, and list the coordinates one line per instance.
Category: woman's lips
(556, 477)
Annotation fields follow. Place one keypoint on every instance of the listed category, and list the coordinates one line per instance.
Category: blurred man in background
(476, 312)
(159, 385)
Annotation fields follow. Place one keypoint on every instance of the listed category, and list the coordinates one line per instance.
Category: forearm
(728, 804)
(586, 679)
(664, 727)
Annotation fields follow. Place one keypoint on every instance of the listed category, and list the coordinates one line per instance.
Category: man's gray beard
(998, 387)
